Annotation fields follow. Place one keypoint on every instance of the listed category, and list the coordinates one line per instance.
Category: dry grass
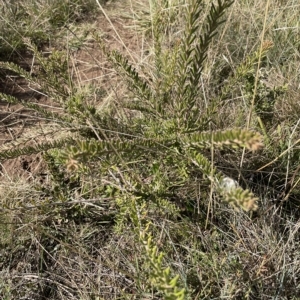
(65, 241)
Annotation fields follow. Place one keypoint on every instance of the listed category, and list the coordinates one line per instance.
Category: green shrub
(153, 153)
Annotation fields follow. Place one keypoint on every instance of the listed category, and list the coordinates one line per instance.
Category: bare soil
(88, 66)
